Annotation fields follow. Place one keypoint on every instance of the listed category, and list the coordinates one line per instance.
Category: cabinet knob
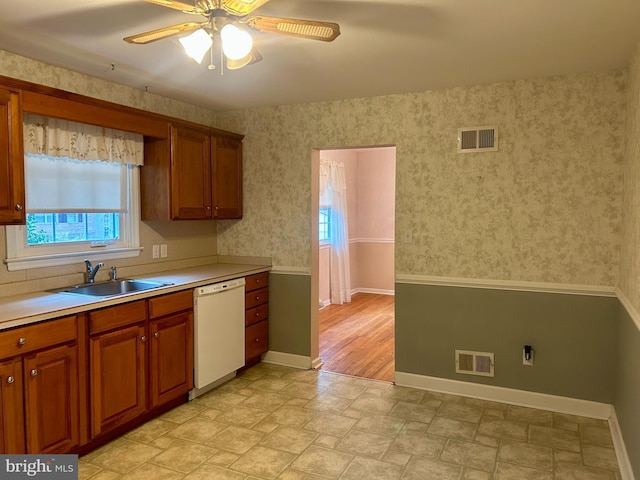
(257, 314)
(257, 340)
(22, 341)
(156, 335)
(19, 207)
(10, 379)
(208, 207)
(143, 338)
(34, 372)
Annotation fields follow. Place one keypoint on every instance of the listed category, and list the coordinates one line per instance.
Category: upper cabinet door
(227, 177)
(11, 159)
(190, 174)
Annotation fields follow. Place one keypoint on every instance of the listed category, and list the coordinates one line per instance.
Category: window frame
(327, 240)
(21, 256)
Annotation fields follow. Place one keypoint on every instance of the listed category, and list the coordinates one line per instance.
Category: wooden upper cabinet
(11, 159)
(227, 177)
(191, 174)
(195, 174)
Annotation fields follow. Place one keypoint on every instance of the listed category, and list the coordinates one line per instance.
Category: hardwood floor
(357, 338)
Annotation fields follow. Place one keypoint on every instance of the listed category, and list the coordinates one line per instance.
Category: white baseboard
(542, 401)
(377, 291)
(626, 471)
(316, 363)
(287, 359)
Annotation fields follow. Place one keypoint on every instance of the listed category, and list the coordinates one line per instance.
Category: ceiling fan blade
(253, 57)
(185, 7)
(241, 7)
(159, 34)
(324, 31)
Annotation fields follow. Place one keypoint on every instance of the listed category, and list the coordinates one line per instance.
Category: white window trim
(17, 260)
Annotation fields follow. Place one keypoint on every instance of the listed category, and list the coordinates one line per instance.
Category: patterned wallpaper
(16, 66)
(545, 207)
(630, 256)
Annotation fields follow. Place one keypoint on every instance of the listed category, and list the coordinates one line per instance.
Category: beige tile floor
(274, 422)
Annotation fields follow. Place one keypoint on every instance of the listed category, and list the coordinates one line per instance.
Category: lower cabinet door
(118, 391)
(52, 416)
(256, 340)
(171, 357)
(11, 408)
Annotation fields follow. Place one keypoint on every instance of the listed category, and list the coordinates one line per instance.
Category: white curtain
(333, 193)
(79, 141)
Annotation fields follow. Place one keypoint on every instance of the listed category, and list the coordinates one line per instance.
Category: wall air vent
(477, 139)
(474, 363)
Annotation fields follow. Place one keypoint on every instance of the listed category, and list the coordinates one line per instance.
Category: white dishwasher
(218, 332)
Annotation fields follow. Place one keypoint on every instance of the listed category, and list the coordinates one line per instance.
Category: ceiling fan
(227, 18)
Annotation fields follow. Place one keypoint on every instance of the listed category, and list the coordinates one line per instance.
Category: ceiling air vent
(474, 363)
(477, 139)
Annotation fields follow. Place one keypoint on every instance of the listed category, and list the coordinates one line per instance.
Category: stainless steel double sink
(111, 288)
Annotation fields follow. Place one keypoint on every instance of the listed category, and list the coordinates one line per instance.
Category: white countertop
(29, 308)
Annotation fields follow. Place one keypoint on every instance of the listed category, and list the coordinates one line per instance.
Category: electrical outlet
(155, 251)
(529, 361)
(163, 250)
(408, 236)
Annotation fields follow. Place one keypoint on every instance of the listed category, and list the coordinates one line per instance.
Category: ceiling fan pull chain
(221, 60)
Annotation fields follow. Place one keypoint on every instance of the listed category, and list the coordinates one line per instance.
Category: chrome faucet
(90, 274)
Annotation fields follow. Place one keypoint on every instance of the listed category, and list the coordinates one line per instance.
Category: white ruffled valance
(79, 141)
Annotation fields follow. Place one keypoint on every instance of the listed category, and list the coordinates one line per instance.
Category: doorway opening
(353, 225)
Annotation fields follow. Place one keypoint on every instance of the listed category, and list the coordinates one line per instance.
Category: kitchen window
(82, 195)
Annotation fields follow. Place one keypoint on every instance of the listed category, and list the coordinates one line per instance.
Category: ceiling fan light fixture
(236, 43)
(197, 44)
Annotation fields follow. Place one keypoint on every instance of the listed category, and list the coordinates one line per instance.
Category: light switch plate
(163, 250)
(155, 251)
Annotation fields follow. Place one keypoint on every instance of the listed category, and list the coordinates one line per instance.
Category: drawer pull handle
(257, 297)
(156, 335)
(257, 314)
(10, 379)
(143, 338)
(34, 372)
(22, 341)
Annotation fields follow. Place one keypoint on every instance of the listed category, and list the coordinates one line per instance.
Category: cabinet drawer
(171, 303)
(254, 282)
(255, 298)
(256, 314)
(34, 337)
(256, 339)
(114, 317)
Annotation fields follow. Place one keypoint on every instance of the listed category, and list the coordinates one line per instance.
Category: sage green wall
(574, 337)
(627, 392)
(289, 314)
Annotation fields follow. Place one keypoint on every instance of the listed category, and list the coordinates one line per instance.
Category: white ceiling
(385, 46)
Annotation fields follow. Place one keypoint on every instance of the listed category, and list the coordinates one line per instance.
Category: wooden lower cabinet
(51, 400)
(40, 388)
(171, 357)
(70, 384)
(256, 321)
(118, 375)
(11, 408)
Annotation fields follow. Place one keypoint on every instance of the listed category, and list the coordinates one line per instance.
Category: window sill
(24, 263)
